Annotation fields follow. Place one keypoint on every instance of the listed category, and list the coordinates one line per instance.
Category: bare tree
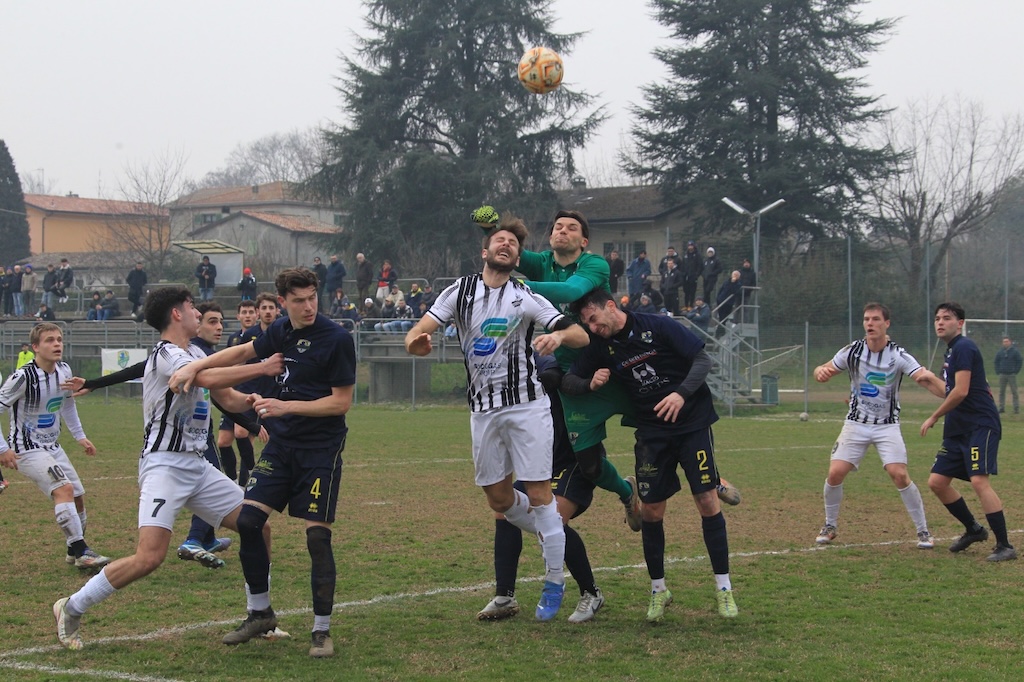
(293, 156)
(956, 165)
(36, 182)
(138, 227)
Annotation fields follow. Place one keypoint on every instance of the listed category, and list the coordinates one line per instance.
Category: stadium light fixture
(756, 215)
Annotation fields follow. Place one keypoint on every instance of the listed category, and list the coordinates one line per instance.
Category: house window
(225, 210)
(204, 219)
(338, 220)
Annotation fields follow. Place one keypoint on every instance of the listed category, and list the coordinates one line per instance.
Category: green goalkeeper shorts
(586, 414)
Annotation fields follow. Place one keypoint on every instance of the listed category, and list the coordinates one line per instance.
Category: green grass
(413, 548)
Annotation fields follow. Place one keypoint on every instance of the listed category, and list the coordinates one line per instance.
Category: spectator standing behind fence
(334, 275)
(206, 273)
(748, 280)
(691, 268)
(19, 309)
(320, 270)
(364, 276)
(1008, 364)
(247, 286)
(6, 280)
(729, 296)
(616, 269)
(65, 280)
(29, 281)
(637, 273)
(385, 279)
(710, 272)
(50, 286)
(136, 279)
(671, 280)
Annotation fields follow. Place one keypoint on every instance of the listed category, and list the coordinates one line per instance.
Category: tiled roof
(291, 223)
(59, 204)
(612, 204)
(269, 193)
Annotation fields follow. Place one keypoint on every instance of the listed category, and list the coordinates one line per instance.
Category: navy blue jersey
(256, 384)
(651, 357)
(978, 409)
(203, 345)
(317, 358)
(236, 338)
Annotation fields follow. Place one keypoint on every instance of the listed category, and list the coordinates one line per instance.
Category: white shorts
(854, 439)
(516, 439)
(169, 481)
(50, 469)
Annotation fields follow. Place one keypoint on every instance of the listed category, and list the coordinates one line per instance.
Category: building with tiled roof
(272, 239)
(193, 212)
(73, 224)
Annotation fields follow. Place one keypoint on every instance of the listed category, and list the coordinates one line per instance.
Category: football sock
(67, 519)
(577, 561)
(551, 535)
(997, 522)
(833, 498)
(77, 548)
(323, 573)
(93, 592)
(653, 534)
(508, 545)
(722, 581)
(658, 585)
(717, 542)
(260, 602)
(252, 551)
(198, 531)
(915, 506)
(321, 623)
(519, 514)
(245, 459)
(611, 480)
(227, 460)
(962, 514)
(83, 517)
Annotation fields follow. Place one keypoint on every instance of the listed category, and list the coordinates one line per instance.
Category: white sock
(257, 602)
(722, 581)
(833, 498)
(915, 506)
(67, 519)
(321, 623)
(551, 534)
(658, 585)
(82, 516)
(519, 514)
(92, 593)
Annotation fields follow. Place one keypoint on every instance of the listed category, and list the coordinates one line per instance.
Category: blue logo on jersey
(493, 328)
(45, 421)
(875, 379)
(202, 410)
(868, 391)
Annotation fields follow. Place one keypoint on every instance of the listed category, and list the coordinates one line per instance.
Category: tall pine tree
(763, 103)
(438, 124)
(13, 222)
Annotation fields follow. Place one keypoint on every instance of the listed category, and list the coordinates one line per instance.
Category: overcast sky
(89, 86)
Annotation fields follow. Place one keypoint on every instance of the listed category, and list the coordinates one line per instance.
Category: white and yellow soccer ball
(540, 70)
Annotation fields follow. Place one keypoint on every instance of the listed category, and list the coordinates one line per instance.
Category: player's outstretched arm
(927, 380)
(223, 377)
(183, 377)
(417, 340)
(823, 373)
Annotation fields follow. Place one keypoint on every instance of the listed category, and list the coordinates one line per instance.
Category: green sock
(610, 480)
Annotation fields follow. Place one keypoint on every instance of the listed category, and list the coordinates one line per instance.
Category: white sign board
(115, 359)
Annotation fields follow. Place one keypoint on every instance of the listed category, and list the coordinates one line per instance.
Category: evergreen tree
(13, 222)
(761, 105)
(438, 125)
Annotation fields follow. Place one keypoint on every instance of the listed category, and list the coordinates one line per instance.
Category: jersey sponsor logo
(492, 328)
(647, 337)
(53, 405)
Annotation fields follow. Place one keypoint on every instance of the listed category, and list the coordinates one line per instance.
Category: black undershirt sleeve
(699, 371)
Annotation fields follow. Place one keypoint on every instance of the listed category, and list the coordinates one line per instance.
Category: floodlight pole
(756, 216)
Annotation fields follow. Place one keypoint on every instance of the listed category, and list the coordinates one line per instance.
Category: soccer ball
(804, 416)
(540, 70)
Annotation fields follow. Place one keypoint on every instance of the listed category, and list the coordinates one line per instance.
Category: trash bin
(769, 389)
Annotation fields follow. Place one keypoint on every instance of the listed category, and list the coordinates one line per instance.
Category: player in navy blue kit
(227, 431)
(970, 436)
(300, 468)
(663, 367)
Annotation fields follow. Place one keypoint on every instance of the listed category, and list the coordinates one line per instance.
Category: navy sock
(997, 522)
(252, 550)
(508, 545)
(653, 533)
(227, 460)
(717, 542)
(323, 574)
(577, 561)
(962, 514)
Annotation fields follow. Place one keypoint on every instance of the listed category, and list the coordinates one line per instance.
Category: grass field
(413, 547)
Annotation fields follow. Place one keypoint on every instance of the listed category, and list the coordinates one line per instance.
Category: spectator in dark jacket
(320, 270)
(1008, 364)
(95, 307)
(334, 278)
(136, 279)
(111, 308)
(748, 279)
(206, 274)
(414, 298)
(428, 296)
(364, 275)
(616, 269)
(45, 314)
(700, 314)
(247, 286)
(50, 287)
(711, 270)
(691, 269)
(645, 305)
(637, 273)
(671, 280)
(729, 296)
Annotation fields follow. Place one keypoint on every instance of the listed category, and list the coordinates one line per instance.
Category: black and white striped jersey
(174, 422)
(496, 328)
(37, 403)
(875, 380)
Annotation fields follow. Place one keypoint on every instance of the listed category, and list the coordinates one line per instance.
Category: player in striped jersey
(510, 423)
(173, 473)
(37, 403)
(876, 367)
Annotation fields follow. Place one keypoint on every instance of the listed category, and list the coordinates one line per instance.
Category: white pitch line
(400, 596)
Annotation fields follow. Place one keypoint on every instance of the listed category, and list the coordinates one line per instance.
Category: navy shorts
(307, 481)
(569, 482)
(226, 423)
(968, 454)
(657, 458)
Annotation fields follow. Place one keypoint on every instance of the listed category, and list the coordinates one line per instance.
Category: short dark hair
(209, 307)
(509, 223)
(598, 297)
(159, 304)
(265, 296)
(290, 279)
(575, 215)
(878, 306)
(247, 303)
(955, 308)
